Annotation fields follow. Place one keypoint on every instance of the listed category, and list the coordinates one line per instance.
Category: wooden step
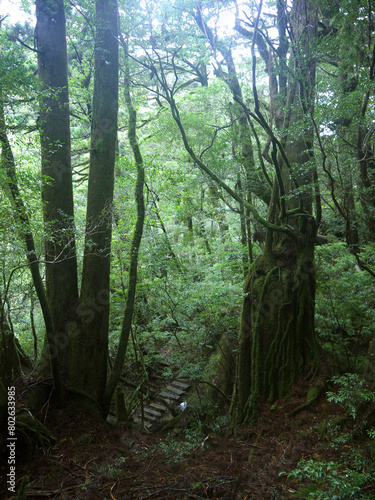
(174, 390)
(146, 425)
(146, 414)
(152, 412)
(161, 404)
(180, 384)
(168, 395)
(158, 406)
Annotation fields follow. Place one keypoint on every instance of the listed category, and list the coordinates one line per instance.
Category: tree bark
(277, 338)
(57, 192)
(92, 349)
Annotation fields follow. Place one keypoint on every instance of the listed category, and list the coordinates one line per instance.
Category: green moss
(120, 408)
(277, 328)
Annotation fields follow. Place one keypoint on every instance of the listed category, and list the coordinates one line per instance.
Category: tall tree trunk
(57, 191)
(277, 339)
(92, 348)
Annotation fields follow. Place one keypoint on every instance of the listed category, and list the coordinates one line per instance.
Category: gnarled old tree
(276, 340)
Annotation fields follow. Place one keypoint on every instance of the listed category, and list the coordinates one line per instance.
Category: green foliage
(16, 67)
(176, 450)
(330, 480)
(351, 393)
(347, 477)
(345, 315)
(190, 272)
(185, 319)
(186, 297)
(203, 422)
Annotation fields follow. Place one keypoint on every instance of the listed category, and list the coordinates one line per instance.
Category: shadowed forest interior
(187, 247)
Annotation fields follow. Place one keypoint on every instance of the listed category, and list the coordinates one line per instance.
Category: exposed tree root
(32, 434)
(312, 397)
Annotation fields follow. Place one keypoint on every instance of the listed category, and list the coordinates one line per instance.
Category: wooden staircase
(161, 407)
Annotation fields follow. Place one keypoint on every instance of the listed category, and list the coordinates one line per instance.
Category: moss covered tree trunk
(57, 191)
(91, 348)
(277, 340)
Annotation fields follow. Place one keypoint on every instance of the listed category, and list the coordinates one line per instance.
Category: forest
(187, 258)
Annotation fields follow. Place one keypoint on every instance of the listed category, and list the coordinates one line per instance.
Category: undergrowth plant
(351, 393)
(113, 470)
(329, 480)
(181, 316)
(347, 477)
(176, 450)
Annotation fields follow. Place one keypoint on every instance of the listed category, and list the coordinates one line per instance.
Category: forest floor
(93, 460)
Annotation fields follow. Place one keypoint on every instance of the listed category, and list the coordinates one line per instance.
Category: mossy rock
(220, 370)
